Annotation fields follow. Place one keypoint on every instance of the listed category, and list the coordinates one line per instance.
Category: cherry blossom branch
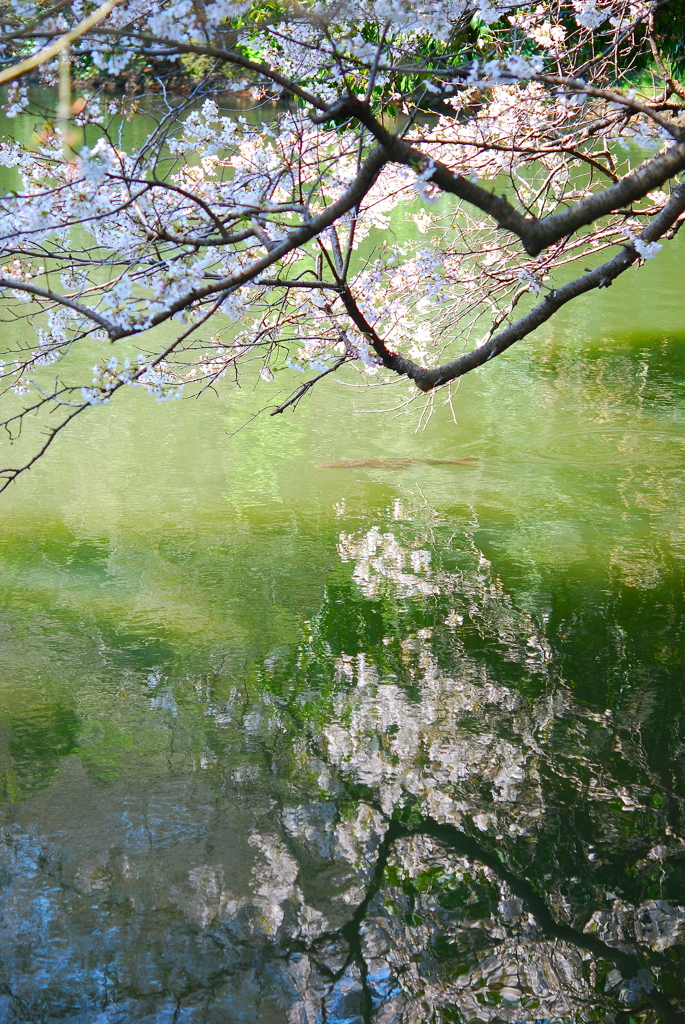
(44, 293)
(601, 277)
(43, 56)
(352, 196)
(262, 225)
(535, 234)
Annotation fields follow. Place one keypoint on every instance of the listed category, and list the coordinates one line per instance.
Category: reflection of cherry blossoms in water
(451, 784)
(410, 817)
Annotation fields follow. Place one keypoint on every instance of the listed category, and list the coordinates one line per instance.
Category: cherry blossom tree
(530, 153)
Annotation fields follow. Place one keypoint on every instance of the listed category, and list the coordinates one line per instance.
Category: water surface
(398, 740)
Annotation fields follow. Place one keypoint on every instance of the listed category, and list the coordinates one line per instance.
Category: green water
(285, 743)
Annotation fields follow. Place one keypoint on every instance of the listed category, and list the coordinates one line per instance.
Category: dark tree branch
(307, 386)
(44, 293)
(228, 56)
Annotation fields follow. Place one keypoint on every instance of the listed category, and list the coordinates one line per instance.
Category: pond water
(397, 742)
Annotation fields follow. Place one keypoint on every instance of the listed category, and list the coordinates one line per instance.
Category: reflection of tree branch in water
(351, 930)
(463, 844)
(629, 964)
